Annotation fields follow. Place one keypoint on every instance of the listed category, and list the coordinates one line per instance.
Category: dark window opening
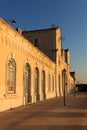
(37, 42)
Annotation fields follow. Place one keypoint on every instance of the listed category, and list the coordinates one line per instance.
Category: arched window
(36, 79)
(11, 76)
(37, 83)
(27, 83)
(43, 81)
(43, 84)
(26, 77)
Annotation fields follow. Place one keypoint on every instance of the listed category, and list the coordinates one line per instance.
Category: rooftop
(45, 29)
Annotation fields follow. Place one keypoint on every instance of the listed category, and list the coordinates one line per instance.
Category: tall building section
(32, 65)
(50, 42)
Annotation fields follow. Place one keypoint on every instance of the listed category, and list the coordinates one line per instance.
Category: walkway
(48, 115)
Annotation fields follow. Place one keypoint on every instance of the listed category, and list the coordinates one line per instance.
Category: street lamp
(64, 74)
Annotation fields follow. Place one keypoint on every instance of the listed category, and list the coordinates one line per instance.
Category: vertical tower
(58, 55)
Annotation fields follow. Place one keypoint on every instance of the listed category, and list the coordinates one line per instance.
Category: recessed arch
(11, 75)
(43, 85)
(36, 77)
(27, 83)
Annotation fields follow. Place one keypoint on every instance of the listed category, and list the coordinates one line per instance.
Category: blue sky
(70, 15)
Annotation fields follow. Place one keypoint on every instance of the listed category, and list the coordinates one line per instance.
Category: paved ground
(48, 115)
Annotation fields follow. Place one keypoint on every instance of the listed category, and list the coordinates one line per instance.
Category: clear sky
(70, 15)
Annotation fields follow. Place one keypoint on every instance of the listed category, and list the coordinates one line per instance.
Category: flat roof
(45, 29)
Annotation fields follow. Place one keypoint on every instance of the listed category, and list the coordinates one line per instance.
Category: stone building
(30, 73)
(49, 41)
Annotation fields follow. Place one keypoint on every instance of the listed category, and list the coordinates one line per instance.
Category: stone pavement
(48, 115)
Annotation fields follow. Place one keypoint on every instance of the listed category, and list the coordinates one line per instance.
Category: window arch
(11, 76)
(36, 79)
(43, 85)
(27, 83)
(43, 80)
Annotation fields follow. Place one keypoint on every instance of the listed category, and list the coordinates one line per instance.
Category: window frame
(11, 76)
(37, 42)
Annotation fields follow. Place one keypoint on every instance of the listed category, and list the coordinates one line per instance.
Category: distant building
(32, 66)
(72, 81)
(81, 87)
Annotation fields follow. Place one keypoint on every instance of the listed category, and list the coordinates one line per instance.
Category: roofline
(45, 29)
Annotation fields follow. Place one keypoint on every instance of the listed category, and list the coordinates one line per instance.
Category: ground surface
(48, 115)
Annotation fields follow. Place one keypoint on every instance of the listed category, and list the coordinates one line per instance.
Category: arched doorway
(37, 84)
(27, 83)
(43, 85)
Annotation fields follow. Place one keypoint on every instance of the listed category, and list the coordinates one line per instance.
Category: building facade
(49, 41)
(27, 73)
